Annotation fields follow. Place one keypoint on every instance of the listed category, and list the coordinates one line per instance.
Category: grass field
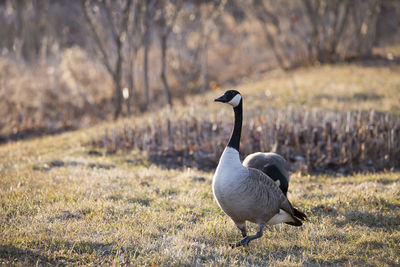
(61, 203)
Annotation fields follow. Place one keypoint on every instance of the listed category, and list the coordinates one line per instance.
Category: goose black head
(231, 97)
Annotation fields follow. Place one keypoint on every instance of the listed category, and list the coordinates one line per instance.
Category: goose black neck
(234, 142)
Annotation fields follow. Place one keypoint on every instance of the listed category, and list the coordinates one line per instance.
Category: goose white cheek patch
(235, 101)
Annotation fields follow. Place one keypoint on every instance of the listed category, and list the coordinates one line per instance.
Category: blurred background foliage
(67, 64)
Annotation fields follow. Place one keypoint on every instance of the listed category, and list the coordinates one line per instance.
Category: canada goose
(271, 164)
(248, 194)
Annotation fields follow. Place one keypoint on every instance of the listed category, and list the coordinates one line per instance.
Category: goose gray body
(248, 194)
(273, 165)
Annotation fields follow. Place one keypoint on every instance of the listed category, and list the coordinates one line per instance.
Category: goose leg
(244, 233)
(242, 228)
(245, 241)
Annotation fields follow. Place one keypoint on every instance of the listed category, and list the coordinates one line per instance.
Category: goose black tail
(298, 217)
(296, 222)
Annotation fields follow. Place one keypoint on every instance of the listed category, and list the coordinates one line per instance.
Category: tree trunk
(312, 14)
(146, 55)
(365, 27)
(339, 28)
(204, 66)
(146, 75)
(132, 88)
(19, 40)
(118, 97)
(370, 37)
(163, 67)
(117, 80)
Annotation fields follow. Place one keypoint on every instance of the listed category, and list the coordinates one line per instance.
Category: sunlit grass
(335, 87)
(61, 204)
(148, 215)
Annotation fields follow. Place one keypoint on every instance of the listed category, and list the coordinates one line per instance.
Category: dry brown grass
(311, 141)
(52, 97)
(330, 87)
(62, 203)
(341, 132)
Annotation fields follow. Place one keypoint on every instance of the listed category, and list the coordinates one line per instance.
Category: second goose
(248, 194)
(271, 164)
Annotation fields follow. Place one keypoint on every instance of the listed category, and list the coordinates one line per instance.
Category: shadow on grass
(10, 254)
(140, 201)
(370, 219)
(373, 61)
(30, 133)
(360, 97)
(58, 164)
(181, 159)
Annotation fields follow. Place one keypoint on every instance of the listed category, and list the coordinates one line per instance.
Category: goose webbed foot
(246, 240)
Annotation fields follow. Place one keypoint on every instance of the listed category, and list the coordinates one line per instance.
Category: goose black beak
(221, 99)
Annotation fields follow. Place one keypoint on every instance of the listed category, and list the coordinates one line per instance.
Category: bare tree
(208, 15)
(19, 7)
(272, 30)
(31, 30)
(365, 18)
(340, 19)
(115, 24)
(319, 34)
(327, 20)
(168, 12)
(195, 28)
(149, 13)
(135, 41)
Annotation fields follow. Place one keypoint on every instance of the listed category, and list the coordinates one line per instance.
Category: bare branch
(111, 23)
(96, 36)
(340, 24)
(266, 15)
